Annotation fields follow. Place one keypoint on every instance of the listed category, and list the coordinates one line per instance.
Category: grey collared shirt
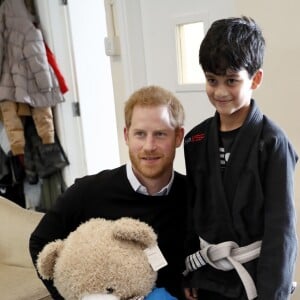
(139, 188)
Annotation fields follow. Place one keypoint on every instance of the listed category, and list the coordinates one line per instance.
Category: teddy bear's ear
(47, 258)
(134, 230)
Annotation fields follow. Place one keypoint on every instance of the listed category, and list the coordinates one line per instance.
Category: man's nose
(150, 143)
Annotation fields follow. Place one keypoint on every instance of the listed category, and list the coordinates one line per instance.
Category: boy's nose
(221, 92)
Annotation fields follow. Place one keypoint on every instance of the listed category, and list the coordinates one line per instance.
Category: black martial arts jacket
(253, 200)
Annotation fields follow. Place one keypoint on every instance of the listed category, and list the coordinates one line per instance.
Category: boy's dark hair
(232, 43)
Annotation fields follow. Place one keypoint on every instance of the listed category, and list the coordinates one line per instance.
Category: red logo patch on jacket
(195, 138)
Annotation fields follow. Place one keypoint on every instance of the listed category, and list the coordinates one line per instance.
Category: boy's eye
(211, 81)
(232, 81)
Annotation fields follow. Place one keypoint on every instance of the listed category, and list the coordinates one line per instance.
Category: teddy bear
(105, 260)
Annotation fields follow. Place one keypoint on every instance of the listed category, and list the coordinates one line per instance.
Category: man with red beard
(147, 188)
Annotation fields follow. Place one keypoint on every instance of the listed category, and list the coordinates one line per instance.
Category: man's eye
(139, 134)
(160, 134)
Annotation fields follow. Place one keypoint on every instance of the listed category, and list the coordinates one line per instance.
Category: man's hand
(190, 293)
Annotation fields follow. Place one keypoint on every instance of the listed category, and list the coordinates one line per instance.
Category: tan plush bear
(104, 260)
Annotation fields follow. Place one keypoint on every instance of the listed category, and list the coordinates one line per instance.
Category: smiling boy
(240, 172)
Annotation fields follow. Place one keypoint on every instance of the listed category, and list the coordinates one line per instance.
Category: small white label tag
(155, 258)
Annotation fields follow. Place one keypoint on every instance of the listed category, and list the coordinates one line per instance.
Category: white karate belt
(226, 256)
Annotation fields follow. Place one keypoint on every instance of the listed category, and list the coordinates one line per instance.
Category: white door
(147, 30)
(52, 15)
(75, 31)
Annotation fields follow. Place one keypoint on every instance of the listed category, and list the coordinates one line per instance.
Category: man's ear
(179, 136)
(126, 135)
(257, 79)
